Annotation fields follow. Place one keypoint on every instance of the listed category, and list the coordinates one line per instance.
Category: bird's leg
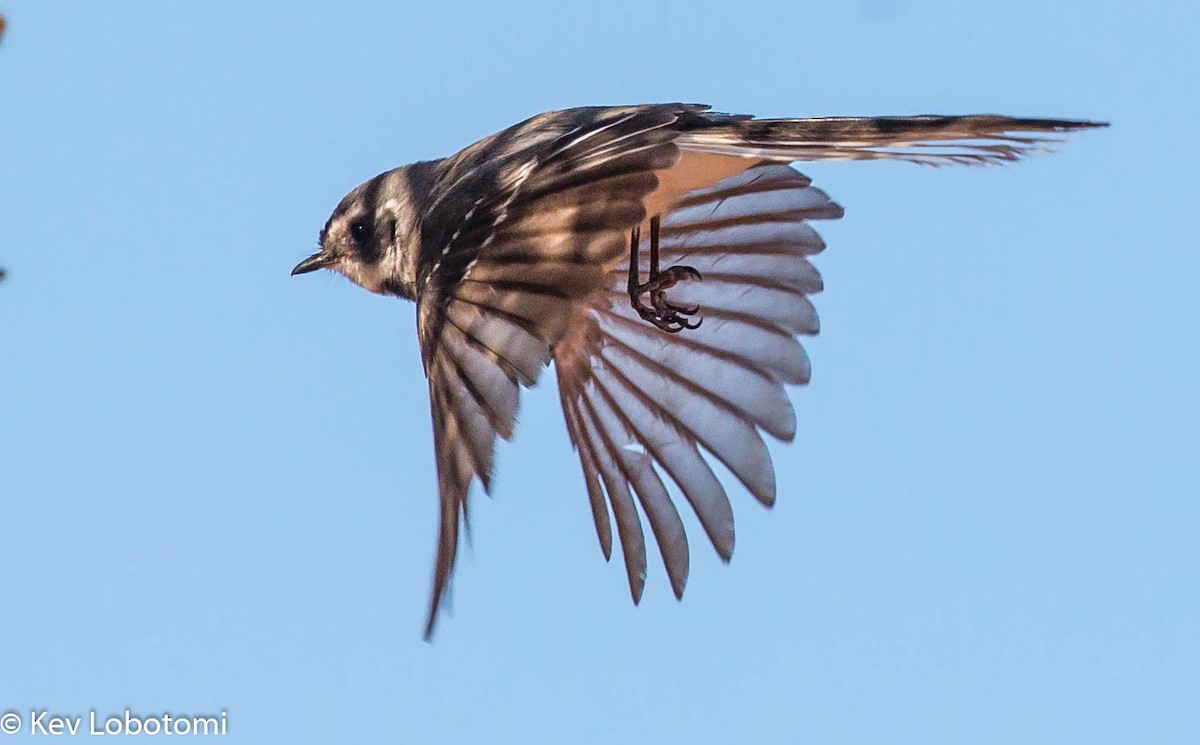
(668, 316)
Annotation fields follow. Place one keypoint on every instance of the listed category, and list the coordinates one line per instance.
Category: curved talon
(668, 316)
(681, 324)
(673, 274)
(687, 310)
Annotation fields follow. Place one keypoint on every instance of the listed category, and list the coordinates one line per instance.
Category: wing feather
(670, 443)
(616, 485)
(617, 432)
(532, 224)
(591, 478)
(519, 353)
(657, 399)
(743, 390)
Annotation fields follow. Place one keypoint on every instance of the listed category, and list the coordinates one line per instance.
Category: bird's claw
(666, 315)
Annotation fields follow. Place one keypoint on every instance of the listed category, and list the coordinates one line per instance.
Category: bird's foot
(668, 316)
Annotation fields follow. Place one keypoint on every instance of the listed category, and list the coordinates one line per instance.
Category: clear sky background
(217, 483)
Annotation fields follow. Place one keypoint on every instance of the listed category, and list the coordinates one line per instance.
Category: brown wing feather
(499, 294)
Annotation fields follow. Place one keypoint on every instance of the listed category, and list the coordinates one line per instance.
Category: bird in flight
(531, 245)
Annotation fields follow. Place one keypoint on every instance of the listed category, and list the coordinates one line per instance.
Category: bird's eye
(359, 230)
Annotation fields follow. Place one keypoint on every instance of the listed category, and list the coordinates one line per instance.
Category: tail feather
(929, 140)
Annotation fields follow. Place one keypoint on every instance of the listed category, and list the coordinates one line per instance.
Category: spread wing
(639, 402)
(533, 217)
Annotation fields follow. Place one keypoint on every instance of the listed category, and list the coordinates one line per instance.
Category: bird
(529, 247)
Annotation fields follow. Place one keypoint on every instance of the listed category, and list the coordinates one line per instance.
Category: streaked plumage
(516, 248)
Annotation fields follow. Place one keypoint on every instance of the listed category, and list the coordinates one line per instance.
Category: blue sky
(216, 480)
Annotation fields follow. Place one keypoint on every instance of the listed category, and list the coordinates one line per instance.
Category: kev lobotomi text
(127, 723)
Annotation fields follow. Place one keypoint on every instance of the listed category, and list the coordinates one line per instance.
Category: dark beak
(319, 260)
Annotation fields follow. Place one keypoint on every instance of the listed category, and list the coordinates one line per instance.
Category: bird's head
(372, 238)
